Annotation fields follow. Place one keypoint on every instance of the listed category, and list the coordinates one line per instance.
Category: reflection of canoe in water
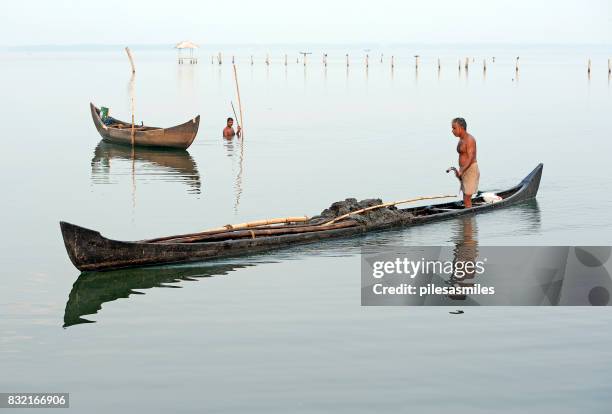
(89, 250)
(180, 136)
(176, 163)
(92, 290)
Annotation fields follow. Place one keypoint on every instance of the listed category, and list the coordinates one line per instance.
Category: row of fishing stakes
(466, 63)
(367, 60)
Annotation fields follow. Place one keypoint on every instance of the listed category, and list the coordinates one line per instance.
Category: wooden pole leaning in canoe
(392, 203)
(239, 102)
(252, 233)
(233, 227)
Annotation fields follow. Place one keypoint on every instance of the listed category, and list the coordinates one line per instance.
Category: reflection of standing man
(466, 250)
(468, 173)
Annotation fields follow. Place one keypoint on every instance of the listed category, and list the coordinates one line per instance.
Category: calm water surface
(285, 331)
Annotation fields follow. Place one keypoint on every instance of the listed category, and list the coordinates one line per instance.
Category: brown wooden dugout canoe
(180, 136)
(89, 250)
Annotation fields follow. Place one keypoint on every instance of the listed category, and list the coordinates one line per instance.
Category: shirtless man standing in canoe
(228, 131)
(468, 173)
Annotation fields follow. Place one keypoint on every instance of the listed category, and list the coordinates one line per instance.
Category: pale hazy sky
(35, 22)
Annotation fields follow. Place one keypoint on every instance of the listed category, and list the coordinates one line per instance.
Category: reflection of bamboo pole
(133, 180)
(129, 53)
(347, 60)
(392, 203)
(239, 176)
(239, 101)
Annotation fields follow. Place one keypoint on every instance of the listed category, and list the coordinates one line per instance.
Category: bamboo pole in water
(347, 60)
(609, 66)
(235, 116)
(392, 203)
(239, 101)
(132, 134)
(129, 53)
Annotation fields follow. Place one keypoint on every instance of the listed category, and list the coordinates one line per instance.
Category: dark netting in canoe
(370, 217)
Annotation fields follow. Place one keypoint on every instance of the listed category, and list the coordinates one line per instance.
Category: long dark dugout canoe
(120, 132)
(90, 251)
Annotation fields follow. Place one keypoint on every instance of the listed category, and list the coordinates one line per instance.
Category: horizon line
(264, 44)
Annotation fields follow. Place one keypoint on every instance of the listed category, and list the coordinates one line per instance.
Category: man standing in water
(468, 173)
(228, 131)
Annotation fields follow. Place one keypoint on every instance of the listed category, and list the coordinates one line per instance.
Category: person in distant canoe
(468, 172)
(228, 131)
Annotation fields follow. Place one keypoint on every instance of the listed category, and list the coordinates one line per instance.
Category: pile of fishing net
(370, 217)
